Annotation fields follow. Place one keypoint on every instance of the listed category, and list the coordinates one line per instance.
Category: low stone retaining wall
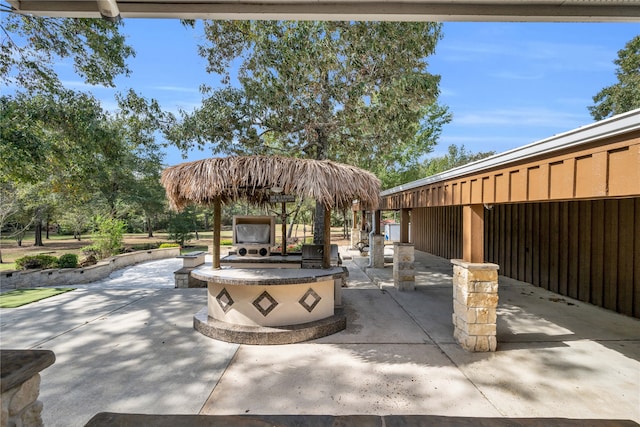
(19, 279)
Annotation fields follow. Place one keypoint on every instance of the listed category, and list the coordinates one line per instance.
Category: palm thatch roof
(251, 178)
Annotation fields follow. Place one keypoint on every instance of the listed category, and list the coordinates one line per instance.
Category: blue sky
(506, 84)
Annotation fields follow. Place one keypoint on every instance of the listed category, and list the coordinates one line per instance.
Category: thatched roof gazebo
(255, 179)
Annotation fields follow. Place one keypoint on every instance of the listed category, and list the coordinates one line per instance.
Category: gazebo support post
(284, 229)
(217, 215)
(326, 252)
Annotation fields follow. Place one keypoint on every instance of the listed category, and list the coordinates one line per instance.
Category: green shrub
(226, 242)
(180, 227)
(169, 245)
(68, 261)
(108, 236)
(144, 246)
(31, 262)
(89, 251)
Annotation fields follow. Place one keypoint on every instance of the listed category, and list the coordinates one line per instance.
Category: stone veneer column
(475, 300)
(20, 386)
(376, 250)
(404, 269)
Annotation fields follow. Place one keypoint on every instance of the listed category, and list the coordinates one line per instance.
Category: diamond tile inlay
(225, 300)
(265, 303)
(309, 300)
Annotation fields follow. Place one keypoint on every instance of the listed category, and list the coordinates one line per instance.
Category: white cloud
(539, 117)
(176, 89)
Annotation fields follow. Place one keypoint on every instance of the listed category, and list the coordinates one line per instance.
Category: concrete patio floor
(127, 344)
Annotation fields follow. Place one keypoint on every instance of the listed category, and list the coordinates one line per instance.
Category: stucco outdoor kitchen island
(270, 305)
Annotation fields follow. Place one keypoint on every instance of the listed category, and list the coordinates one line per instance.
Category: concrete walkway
(127, 344)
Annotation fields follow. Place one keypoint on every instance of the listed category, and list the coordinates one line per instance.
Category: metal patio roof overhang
(386, 10)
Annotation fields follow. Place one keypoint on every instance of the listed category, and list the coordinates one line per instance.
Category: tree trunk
(149, 228)
(47, 232)
(294, 217)
(38, 233)
(318, 225)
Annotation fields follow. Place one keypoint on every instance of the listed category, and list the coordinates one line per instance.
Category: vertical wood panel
(597, 252)
(554, 246)
(584, 266)
(515, 222)
(496, 235)
(506, 239)
(563, 270)
(573, 253)
(502, 226)
(636, 262)
(535, 249)
(529, 243)
(611, 255)
(625, 257)
(522, 228)
(544, 245)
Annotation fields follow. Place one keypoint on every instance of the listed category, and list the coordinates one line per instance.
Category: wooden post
(376, 221)
(404, 225)
(217, 215)
(284, 229)
(355, 220)
(326, 252)
(363, 221)
(473, 233)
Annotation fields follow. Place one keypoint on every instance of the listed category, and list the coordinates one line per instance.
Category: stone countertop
(17, 366)
(265, 276)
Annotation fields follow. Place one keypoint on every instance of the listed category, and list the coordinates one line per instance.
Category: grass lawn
(13, 299)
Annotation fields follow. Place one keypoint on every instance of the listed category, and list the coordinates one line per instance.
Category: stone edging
(18, 279)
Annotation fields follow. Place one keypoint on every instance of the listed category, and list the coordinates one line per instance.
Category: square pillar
(473, 233)
(475, 301)
(355, 237)
(404, 270)
(376, 250)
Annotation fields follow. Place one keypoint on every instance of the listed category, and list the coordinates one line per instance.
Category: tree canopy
(30, 46)
(354, 92)
(624, 95)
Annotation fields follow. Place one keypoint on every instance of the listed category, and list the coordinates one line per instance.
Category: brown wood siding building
(562, 213)
(588, 250)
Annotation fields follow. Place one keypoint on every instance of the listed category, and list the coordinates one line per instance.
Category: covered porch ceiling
(389, 10)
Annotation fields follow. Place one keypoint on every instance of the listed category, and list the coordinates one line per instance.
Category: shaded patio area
(132, 348)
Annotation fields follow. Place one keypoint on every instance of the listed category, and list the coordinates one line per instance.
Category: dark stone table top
(17, 366)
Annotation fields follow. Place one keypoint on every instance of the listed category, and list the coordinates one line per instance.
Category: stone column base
(184, 279)
(475, 300)
(404, 269)
(376, 250)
